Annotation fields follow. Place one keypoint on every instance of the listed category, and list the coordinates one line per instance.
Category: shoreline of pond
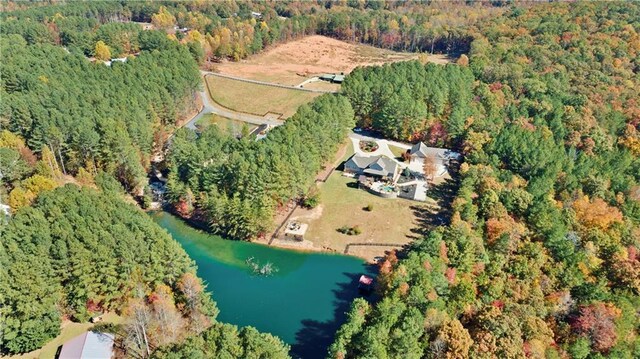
(303, 302)
(200, 225)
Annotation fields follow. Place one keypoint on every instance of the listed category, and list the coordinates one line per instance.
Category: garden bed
(369, 146)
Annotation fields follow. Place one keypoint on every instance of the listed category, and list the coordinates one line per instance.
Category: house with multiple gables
(380, 167)
(441, 157)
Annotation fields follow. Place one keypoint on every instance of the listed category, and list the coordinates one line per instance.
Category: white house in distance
(441, 157)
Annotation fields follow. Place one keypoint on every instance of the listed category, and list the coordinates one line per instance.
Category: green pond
(303, 303)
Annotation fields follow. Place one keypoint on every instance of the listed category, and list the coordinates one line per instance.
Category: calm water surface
(303, 303)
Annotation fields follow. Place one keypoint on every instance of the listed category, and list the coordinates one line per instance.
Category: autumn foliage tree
(102, 51)
(596, 213)
(597, 322)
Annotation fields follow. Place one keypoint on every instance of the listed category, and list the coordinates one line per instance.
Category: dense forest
(235, 186)
(93, 116)
(540, 256)
(236, 29)
(433, 106)
(78, 252)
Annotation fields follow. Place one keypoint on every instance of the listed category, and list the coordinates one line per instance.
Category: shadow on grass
(315, 337)
(353, 185)
(428, 217)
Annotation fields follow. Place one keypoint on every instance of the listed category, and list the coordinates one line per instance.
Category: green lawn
(232, 127)
(342, 204)
(257, 99)
(397, 151)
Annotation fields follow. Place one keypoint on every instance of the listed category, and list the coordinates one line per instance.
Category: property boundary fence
(275, 115)
(349, 245)
(268, 83)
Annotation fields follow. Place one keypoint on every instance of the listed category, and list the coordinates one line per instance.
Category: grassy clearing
(342, 204)
(257, 99)
(227, 125)
(397, 151)
(69, 331)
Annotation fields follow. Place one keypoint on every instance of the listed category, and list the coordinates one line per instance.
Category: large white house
(441, 157)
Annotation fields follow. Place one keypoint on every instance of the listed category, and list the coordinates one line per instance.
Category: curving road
(210, 106)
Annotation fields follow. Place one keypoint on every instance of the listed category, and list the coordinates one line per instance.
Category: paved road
(206, 73)
(209, 106)
(212, 107)
(365, 136)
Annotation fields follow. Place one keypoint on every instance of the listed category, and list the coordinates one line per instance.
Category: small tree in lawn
(429, 168)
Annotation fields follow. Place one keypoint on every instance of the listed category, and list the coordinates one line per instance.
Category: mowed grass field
(227, 125)
(343, 204)
(257, 99)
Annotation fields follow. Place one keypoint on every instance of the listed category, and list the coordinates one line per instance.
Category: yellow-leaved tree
(102, 51)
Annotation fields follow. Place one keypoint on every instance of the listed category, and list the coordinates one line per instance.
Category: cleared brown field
(295, 61)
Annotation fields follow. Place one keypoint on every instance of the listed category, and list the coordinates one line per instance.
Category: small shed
(327, 77)
(92, 345)
(295, 230)
(333, 78)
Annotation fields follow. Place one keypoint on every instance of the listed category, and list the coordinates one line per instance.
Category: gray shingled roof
(376, 165)
(439, 154)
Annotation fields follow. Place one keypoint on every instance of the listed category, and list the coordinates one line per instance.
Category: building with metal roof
(441, 157)
(90, 345)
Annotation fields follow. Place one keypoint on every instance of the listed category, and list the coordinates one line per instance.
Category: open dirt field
(293, 62)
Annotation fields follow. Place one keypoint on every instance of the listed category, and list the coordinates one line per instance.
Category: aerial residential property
(319, 179)
(380, 167)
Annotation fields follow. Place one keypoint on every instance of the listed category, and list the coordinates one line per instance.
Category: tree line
(433, 106)
(539, 257)
(91, 116)
(236, 29)
(235, 185)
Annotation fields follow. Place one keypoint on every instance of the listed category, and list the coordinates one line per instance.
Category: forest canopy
(539, 253)
(539, 258)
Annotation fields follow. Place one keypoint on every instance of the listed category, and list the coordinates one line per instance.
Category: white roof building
(90, 345)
